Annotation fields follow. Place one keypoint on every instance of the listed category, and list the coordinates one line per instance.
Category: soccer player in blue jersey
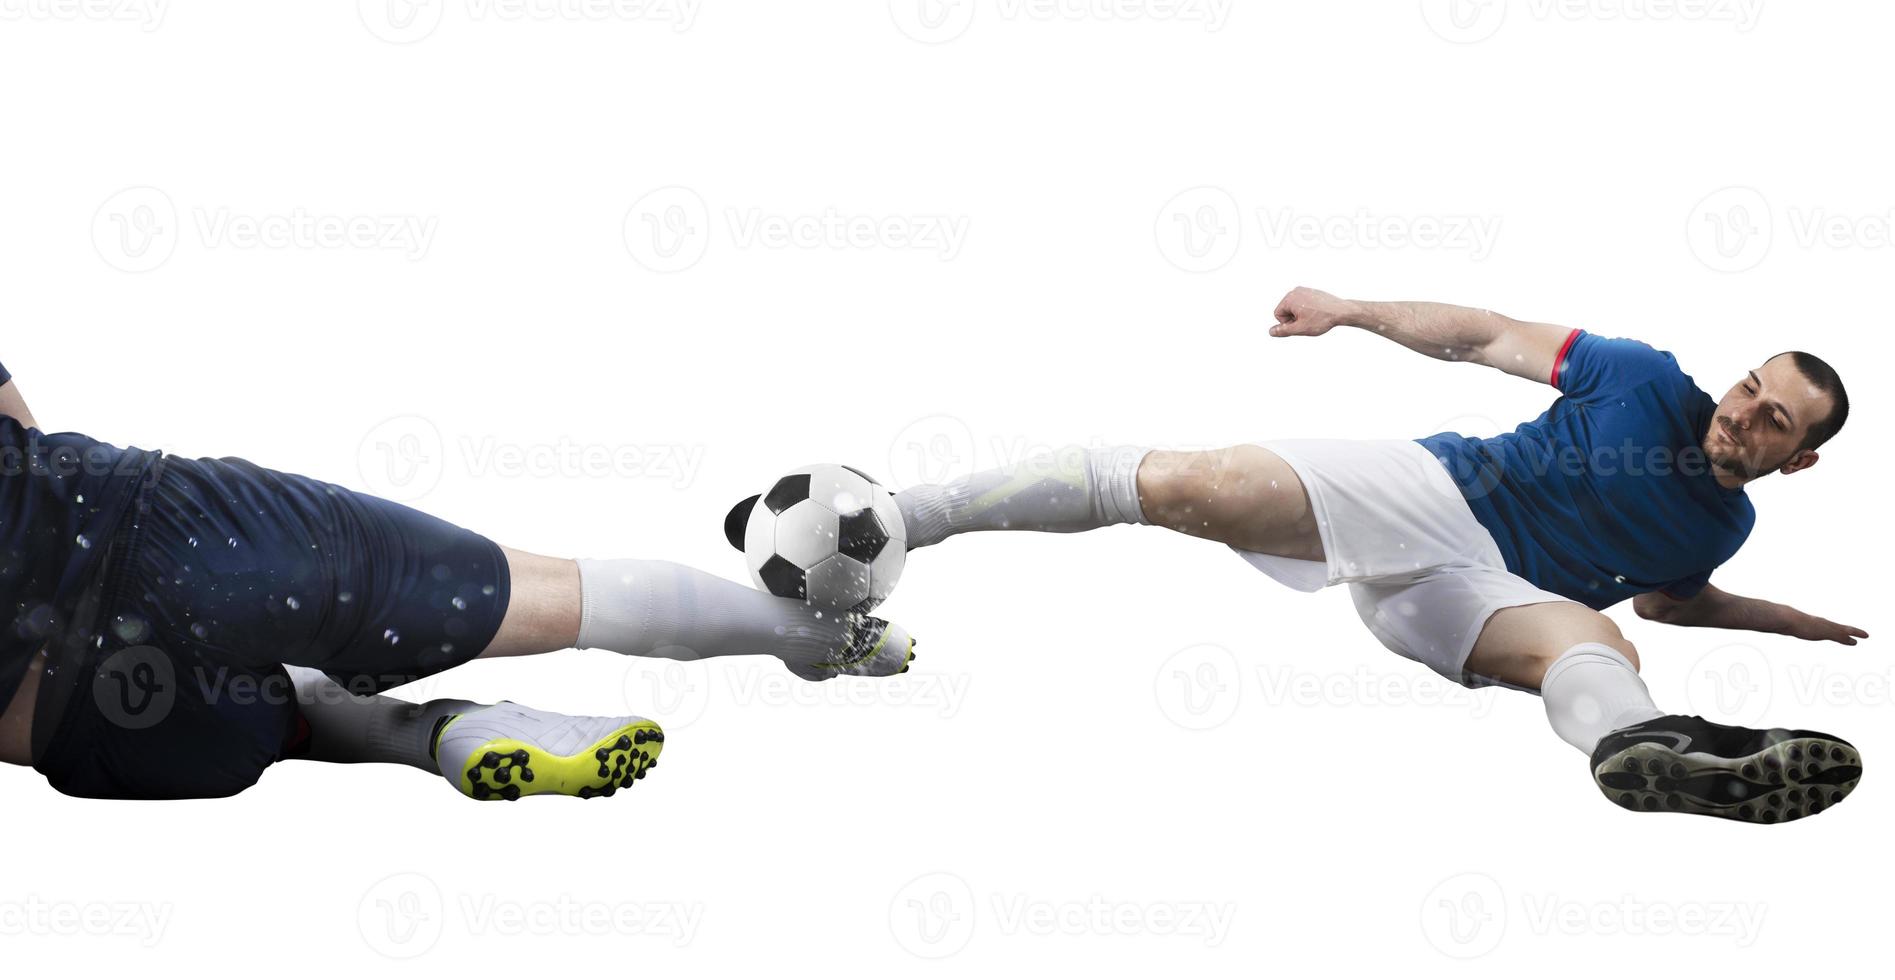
(171, 627)
(1489, 559)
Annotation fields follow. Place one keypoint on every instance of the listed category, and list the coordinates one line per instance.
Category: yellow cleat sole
(507, 769)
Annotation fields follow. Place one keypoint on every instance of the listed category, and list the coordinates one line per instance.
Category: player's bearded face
(1761, 422)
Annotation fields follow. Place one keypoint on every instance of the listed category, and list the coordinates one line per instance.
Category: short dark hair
(1823, 378)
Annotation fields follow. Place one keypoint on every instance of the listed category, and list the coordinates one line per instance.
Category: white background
(1121, 752)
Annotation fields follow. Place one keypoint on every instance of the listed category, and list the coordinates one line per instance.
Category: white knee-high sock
(663, 609)
(1070, 489)
(1592, 690)
(344, 727)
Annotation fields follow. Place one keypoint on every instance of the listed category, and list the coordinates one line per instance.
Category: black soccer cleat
(1684, 764)
(738, 518)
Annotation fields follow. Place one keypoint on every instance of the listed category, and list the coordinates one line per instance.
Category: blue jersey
(1608, 494)
(62, 497)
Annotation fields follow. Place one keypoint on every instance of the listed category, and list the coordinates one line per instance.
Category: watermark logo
(676, 691)
(932, 449)
(148, 15)
(1470, 914)
(401, 916)
(933, 915)
(143, 922)
(1199, 687)
(668, 229)
(401, 21)
(402, 458)
(1465, 916)
(936, 915)
(1199, 229)
(136, 229)
(1731, 229)
(1464, 21)
(940, 21)
(932, 21)
(1202, 229)
(409, 21)
(1732, 683)
(136, 687)
(1472, 21)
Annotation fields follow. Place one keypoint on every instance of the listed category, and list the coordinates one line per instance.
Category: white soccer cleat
(508, 750)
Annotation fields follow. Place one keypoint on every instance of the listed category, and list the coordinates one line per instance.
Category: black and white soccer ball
(829, 535)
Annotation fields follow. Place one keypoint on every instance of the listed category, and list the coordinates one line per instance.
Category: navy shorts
(222, 572)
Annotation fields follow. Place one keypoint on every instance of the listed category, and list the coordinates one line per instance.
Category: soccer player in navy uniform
(170, 627)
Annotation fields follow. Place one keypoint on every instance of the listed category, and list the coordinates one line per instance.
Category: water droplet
(200, 631)
(79, 498)
(345, 597)
(460, 603)
(194, 542)
(233, 542)
(391, 637)
(486, 590)
(84, 542)
(293, 602)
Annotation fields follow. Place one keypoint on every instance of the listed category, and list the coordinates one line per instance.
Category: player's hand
(1808, 627)
(1306, 312)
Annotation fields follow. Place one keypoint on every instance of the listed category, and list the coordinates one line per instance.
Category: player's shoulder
(1596, 362)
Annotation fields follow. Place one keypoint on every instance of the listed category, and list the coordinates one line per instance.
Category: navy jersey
(62, 496)
(1608, 494)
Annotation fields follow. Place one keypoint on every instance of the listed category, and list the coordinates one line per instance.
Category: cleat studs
(519, 757)
(1631, 765)
(600, 755)
(1677, 771)
(1835, 752)
(603, 771)
(1628, 801)
(638, 738)
(503, 776)
(510, 793)
(1674, 802)
(1792, 813)
(1746, 812)
(1769, 816)
(1654, 767)
(624, 742)
(481, 791)
(490, 760)
(526, 775)
(1750, 770)
(474, 774)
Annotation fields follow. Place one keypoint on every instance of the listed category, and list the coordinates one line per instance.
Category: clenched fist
(1306, 312)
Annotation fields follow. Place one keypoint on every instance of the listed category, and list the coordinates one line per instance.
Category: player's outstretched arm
(1448, 333)
(1715, 607)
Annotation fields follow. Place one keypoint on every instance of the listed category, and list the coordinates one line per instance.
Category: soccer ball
(829, 535)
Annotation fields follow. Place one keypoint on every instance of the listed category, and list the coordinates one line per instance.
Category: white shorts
(1424, 573)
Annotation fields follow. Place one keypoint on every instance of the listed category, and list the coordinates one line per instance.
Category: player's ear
(1802, 460)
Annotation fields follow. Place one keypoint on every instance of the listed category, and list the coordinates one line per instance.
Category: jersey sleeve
(1687, 587)
(1591, 367)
